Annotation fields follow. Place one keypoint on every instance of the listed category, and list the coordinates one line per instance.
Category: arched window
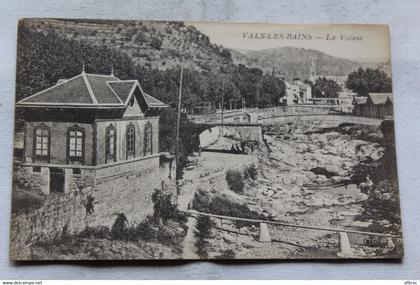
(131, 141)
(148, 149)
(75, 144)
(41, 146)
(110, 144)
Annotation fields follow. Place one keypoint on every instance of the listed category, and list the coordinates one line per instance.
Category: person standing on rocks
(89, 205)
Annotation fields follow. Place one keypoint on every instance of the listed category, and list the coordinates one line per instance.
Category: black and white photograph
(170, 140)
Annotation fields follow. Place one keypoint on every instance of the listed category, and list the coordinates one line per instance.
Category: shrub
(226, 53)
(226, 254)
(235, 181)
(145, 231)
(119, 229)
(101, 232)
(27, 195)
(140, 38)
(163, 207)
(224, 207)
(251, 172)
(203, 227)
(24, 202)
(156, 43)
(24, 180)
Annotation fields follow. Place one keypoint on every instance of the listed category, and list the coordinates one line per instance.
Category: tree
(167, 134)
(326, 88)
(226, 53)
(271, 90)
(156, 43)
(364, 81)
(247, 81)
(43, 59)
(203, 229)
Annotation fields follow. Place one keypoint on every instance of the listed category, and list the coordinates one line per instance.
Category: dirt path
(212, 163)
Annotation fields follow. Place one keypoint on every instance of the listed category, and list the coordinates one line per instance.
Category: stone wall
(242, 132)
(235, 131)
(209, 136)
(128, 193)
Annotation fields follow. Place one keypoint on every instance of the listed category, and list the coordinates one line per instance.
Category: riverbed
(289, 190)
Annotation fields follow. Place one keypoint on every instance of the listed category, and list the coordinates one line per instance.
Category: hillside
(293, 62)
(49, 50)
(159, 45)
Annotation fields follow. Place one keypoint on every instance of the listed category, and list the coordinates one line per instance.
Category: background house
(375, 105)
(297, 92)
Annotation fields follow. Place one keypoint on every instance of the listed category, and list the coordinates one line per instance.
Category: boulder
(323, 171)
(384, 222)
(228, 238)
(336, 179)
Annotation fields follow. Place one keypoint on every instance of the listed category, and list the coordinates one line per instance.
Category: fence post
(345, 248)
(264, 233)
(390, 244)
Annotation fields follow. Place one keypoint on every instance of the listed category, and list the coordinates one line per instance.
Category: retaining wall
(129, 194)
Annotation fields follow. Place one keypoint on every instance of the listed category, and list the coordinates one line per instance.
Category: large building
(375, 105)
(92, 127)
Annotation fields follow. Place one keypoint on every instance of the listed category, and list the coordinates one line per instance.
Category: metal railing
(264, 235)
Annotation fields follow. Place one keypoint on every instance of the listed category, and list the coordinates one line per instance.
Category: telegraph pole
(178, 121)
(223, 96)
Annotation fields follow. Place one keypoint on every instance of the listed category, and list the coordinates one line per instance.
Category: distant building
(297, 92)
(92, 126)
(312, 72)
(345, 101)
(375, 105)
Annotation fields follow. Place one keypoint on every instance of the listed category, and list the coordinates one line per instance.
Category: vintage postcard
(177, 140)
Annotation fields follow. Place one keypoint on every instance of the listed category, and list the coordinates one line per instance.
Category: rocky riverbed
(304, 179)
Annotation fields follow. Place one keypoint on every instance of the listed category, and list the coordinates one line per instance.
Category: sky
(366, 43)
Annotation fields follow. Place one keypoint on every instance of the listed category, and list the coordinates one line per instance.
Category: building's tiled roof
(379, 98)
(123, 88)
(101, 90)
(89, 91)
(70, 91)
(152, 101)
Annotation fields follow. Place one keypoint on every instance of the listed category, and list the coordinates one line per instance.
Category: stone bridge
(247, 125)
(286, 114)
(335, 118)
